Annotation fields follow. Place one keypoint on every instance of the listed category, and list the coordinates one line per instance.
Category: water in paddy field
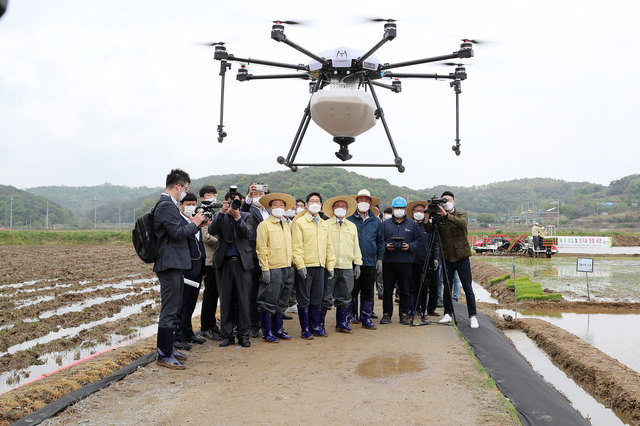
(612, 279)
(589, 407)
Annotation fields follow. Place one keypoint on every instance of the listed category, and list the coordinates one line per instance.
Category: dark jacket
(370, 237)
(453, 233)
(171, 231)
(220, 226)
(198, 257)
(256, 216)
(409, 230)
(423, 245)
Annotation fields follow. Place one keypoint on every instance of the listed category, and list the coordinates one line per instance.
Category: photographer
(456, 253)
(209, 329)
(401, 235)
(233, 260)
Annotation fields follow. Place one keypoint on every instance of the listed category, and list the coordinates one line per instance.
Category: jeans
(463, 267)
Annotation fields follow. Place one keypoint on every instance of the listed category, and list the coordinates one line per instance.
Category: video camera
(434, 205)
(397, 242)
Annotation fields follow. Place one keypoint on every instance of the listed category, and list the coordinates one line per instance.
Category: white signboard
(585, 264)
(584, 242)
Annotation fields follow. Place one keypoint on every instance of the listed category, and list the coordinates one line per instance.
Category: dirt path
(394, 375)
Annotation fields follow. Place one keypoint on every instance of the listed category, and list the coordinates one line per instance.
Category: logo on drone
(339, 54)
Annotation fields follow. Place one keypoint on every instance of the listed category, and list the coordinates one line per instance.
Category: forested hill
(117, 203)
(23, 209)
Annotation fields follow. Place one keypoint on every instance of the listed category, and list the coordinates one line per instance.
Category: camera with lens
(208, 208)
(434, 205)
(262, 187)
(397, 242)
(233, 193)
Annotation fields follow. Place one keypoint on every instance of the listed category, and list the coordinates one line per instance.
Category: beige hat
(352, 205)
(289, 201)
(365, 193)
(537, 224)
(412, 204)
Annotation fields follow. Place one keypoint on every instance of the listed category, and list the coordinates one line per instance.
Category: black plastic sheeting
(537, 402)
(68, 400)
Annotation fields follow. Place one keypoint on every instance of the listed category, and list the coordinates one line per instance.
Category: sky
(123, 91)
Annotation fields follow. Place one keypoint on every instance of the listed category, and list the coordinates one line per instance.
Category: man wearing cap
(344, 238)
(273, 247)
(535, 235)
(371, 243)
(401, 236)
(456, 252)
(312, 253)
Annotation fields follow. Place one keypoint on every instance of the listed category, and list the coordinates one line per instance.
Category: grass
(38, 238)
(501, 278)
(528, 290)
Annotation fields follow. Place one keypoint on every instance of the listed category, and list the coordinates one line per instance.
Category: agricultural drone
(337, 104)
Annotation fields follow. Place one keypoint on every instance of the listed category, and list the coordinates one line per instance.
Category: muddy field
(61, 304)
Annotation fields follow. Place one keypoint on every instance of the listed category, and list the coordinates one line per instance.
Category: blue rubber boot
(342, 319)
(265, 322)
(314, 320)
(276, 327)
(321, 316)
(367, 309)
(303, 316)
(353, 311)
(165, 350)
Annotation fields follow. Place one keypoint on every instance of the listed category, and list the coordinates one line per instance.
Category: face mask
(210, 200)
(399, 213)
(340, 212)
(448, 206)
(189, 210)
(289, 213)
(182, 195)
(256, 202)
(299, 209)
(387, 216)
(277, 212)
(418, 216)
(363, 207)
(315, 208)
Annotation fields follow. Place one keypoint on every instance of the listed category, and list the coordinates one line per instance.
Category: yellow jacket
(273, 244)
(345, 243)
(311, 243)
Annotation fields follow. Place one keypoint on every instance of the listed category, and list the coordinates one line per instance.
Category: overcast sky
(120, 91)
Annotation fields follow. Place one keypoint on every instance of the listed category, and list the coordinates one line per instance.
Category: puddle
(382, 366)
(611, 280)
(77, 307)
(481, 294)
(586, 405)
(617, 335)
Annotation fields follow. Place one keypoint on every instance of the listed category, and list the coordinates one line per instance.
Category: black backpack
(144, 238)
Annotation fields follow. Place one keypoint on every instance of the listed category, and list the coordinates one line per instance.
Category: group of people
(264, 253)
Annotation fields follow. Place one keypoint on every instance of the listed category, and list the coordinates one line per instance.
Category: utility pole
(11, 214)
(95, 212)
(46, 221)
(118, 219)
(134, 216)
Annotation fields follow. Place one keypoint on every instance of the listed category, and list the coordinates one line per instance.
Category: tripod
(435, 242)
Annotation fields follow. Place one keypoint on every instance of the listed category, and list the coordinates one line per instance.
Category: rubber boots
(165, 350)
(266, 324)
(276, 326)
(367, 309)
(342, 319)
(303, 316)
(323, 314)
(353, 310)
(314, 321)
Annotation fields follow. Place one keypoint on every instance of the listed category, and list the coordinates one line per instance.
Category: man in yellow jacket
(312, 253)
(344, 238)
(273, 248)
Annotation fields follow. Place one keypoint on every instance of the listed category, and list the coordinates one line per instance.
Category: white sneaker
(474, 322)
(292, 309)
(446, 319)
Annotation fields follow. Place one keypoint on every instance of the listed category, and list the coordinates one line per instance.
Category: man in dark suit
(258, 213)
(233, 260)
(171, 232)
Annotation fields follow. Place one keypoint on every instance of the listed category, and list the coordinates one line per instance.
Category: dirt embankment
(604, 377)
(626, 240)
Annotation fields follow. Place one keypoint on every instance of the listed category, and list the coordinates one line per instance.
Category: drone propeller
(454, 64)
(215, 43)
(288, 22)
(380, 20)
(467, 40)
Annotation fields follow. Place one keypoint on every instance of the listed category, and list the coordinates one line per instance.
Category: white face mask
(399, 213)
(363, 207)
(315, 208)
(289, 213)
(277, 212)
(210, 200)
(299, 209)
(418, 216)
(448, 206)
(340, 212)
(189, 210)
(256, 202)
(182, 195)
(387, 216)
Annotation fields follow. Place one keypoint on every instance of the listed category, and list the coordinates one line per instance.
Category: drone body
(343, 99)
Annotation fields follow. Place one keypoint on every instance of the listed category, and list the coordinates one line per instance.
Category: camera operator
(233, 261)
(401, 235)
(209, 329)
(259, 213)
(456, 253)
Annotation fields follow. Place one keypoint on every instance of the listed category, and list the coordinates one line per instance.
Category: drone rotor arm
(389, 34)
(414, 75)
(248, 77)
(298, 67)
